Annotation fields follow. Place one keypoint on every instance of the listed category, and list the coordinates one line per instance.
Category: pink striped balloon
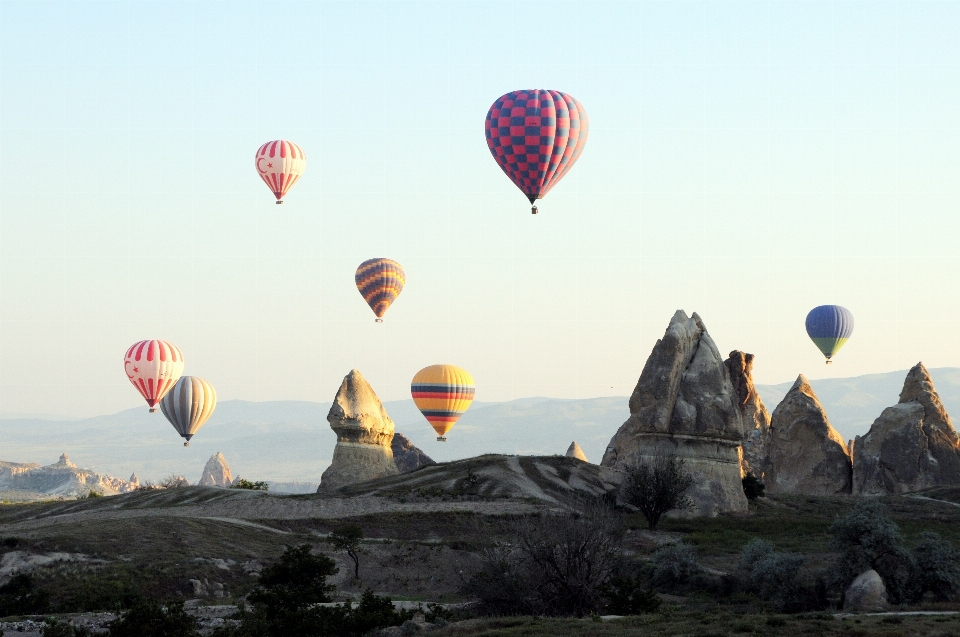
(153, 367)
(280, 164)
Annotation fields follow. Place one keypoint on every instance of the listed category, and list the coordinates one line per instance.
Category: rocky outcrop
(216, 473)
(364, 436)
(911, 446)
(574, 451)
(805, 454)
(407, 456)
(756, 418)
(685, 403)
(867, 593)
(62, 478)
(134, 480)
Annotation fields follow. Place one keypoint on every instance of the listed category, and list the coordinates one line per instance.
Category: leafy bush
(657, 486)
(774, 576)
(259, 485)
(627, 594)
(150, 618)
(93, 493)
(556, 565)
(867, 538)
(936, 568)
(55, 628)
(753, 487)
(297, 580)
(20, 596)
(675, 565)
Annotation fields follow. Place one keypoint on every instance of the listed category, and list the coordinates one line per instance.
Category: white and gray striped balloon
(188, 405)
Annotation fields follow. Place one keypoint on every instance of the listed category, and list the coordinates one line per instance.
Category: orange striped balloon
(442, 393)
(380, 282)
(280, 164)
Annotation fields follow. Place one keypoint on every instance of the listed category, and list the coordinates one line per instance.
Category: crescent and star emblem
(135, 370)
(269, 165)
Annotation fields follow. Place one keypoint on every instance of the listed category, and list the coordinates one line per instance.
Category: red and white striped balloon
(280, 164)
(153, 367)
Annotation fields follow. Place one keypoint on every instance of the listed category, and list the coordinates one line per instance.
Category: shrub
(867, 538)
(675, 565)
(20, 596)
(753, 487)
(774, 576)
(173, 481)
(93, 493)
(556, 565)
(298, 579)
(150, 618)
(657, 486)
(626, 594)
(936, 568)
(259, 485)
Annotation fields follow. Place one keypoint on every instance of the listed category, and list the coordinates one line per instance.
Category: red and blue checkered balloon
(536, 137)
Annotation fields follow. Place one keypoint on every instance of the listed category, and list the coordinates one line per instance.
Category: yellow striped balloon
(442, 393)
(380, 281)
(188, 405)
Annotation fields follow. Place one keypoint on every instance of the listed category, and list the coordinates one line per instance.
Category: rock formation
(867, 593)
(685, 403)
(63, 479)
(574, 451)
(216, 473)
(134, 480)
(364, 435)
(407, 456)
(756, 418)
(805, 454)
(911, 446)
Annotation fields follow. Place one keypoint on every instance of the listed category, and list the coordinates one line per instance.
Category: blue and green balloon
(829, 327)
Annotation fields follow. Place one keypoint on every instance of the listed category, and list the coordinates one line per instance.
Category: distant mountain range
(286, 441)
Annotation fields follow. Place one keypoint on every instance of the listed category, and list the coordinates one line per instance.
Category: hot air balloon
(442, 393)
(153, 367)
(188, 405)
(536, 136)
(829, 327)
(280, 164)
(380, 282)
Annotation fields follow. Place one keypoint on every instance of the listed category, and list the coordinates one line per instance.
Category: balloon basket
(153, 410)
(534, 210)
(379, 320)
(186, 444)
(279, 201)
(829, 362)
(441, 439)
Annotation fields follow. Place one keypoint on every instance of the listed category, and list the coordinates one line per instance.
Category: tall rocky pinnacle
(364, 436)
(686, 404)
(805, 454)
(64, 462)
(134, 480)
(574, 451)
(911, 446)
(216, 473)
(756, 418)
(406, 455)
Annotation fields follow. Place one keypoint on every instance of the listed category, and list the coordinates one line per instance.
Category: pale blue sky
(746, 160)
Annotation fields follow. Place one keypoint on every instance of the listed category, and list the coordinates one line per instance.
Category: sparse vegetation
(173, 481)
(93, 493)
(21, 596)
(657, 486)
(150, 618)
(53, 627)
(240, 483)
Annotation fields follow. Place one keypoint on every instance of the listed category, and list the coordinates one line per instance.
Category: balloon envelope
(442, 393)
(280, 164)
(153, 367)
(188, 405)
(829, 327)
(536, 136)
(380, 282)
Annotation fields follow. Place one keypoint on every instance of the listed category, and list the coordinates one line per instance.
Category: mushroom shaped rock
(911, 446)
(805, 453)
(364, 436)
(216, 473)
(574, 451)
(685, 404)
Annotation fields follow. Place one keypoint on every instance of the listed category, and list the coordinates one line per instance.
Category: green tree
(936, 568)
(53, 627)
(20, 596)
(150, 618)
(753, 487)
(347, 538)
(259, 485)
(656, 486)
